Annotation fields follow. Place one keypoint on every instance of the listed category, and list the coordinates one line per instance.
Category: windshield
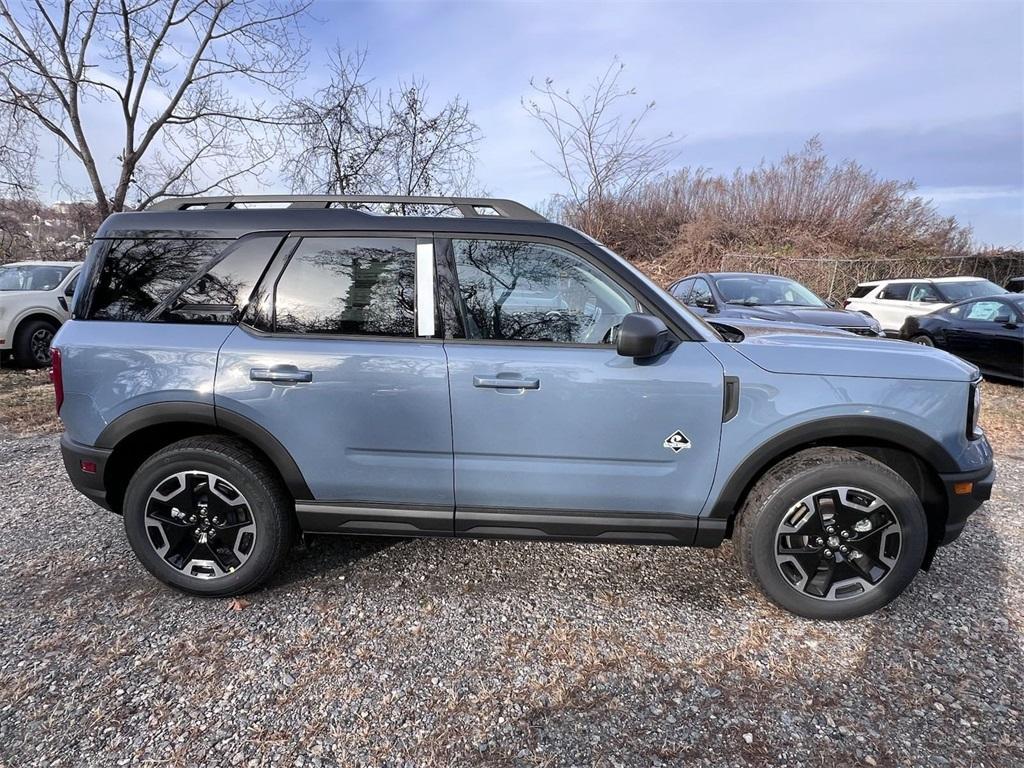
(969, 289)
(36, 277)
(756, 290)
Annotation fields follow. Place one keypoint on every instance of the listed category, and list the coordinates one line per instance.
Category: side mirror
(832, 303)
(706, 302)
(642, 336)
(931, 300)
(69, 291)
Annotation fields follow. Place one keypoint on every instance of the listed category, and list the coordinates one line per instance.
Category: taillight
(57, 377)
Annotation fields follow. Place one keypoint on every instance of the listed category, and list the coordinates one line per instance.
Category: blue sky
(927, 91)
(932, 92)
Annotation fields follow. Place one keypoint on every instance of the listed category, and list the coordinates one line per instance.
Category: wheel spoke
(200, 524)
(837, 543)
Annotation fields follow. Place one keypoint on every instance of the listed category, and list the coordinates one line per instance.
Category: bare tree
(169, 69)
(599, 153)
(17, 152)
(351, 138)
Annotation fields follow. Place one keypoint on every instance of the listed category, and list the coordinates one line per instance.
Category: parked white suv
(34, 300)
(891, 302)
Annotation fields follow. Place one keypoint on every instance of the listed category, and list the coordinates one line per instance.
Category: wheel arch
(912, 454)
(36, 313)
(136, 435)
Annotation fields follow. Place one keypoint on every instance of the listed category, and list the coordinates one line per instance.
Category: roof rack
(469, 207)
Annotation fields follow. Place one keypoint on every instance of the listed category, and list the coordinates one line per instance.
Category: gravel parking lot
(438, 652)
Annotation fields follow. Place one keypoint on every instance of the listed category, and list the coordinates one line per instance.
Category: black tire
(923, 339)
(32, 343)
(267, 503)
(776, 498)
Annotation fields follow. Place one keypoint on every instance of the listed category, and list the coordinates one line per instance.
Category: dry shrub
(828, 225)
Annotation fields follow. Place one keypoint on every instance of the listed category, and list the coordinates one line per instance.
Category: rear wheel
(923, 339)
(831, 534)
(32, 343)
(208, 516)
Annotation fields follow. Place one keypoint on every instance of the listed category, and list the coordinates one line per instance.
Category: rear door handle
(281, 374)
(488, 382)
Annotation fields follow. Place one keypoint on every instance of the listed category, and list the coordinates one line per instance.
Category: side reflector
(57, 377)
(89, 467)
(963, 489)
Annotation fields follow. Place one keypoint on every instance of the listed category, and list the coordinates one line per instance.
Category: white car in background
(34, 301)
(891, 302)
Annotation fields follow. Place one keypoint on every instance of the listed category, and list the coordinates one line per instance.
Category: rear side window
(861, 291)
(138, 275)
(895, 292)
(348, 286)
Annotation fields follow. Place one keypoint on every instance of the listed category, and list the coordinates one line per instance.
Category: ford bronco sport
(240, 369)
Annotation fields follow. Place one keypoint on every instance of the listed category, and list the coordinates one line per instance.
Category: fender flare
(866, 428)
(178, 412)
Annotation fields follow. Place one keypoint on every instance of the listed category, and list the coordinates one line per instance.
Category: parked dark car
(1015, 285)
(750, 296)
(987, 332)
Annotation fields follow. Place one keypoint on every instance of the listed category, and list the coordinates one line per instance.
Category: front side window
(987, 312)
(34, 277)
(923, 292)
(348, 286)
(514, 290)
(701, 295)
(682, 289)
(138, 275)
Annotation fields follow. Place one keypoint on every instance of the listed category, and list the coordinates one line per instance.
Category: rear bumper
(89, 484)
(962, 505)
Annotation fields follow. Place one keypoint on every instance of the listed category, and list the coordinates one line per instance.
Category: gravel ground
(444, 652)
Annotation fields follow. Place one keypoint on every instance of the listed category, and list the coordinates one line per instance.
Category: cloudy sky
(927, 91)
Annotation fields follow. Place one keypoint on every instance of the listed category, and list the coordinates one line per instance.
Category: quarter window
(513, 290)
(348, 286)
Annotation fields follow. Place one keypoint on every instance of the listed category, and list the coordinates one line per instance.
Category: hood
(851, 355)
(811, 315)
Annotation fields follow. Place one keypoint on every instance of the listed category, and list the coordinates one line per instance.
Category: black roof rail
(469, 207)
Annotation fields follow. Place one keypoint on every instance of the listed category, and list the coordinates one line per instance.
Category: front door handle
(500, 382)
(281, 374)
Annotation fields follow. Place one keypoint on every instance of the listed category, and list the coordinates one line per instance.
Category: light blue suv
(238, 370)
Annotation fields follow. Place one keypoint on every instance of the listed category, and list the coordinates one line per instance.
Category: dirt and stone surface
(459, 652)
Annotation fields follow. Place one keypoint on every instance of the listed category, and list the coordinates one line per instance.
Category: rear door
(336, 359)
(893, 306)
(554, 434)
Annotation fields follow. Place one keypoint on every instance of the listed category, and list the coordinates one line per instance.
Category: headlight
(974, 412)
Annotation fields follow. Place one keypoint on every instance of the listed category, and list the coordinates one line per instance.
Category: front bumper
(89, 484)
(963, 502)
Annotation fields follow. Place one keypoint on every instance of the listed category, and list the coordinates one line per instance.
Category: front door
(554, 434)
(336, 371)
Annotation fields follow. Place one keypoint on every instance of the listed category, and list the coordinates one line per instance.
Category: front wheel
(831, 534)
(32, 343)
(207, 515)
